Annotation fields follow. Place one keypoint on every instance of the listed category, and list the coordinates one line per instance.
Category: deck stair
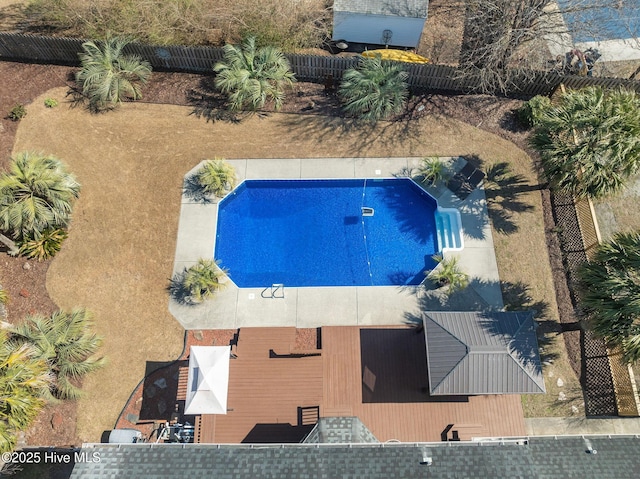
(183, 380)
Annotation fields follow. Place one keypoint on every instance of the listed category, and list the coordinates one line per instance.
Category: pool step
(449, 229)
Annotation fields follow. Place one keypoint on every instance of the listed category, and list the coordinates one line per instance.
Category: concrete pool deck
(308, 307)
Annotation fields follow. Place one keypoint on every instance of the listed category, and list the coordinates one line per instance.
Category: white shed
(380, 22)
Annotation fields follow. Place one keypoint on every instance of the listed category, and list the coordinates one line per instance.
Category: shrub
(4, 296)
(198, 282)
(50, 102)
(529, 113)
(288, 24)
(216, 177)
(24, 380)
(377, 89)
(46, 245)
(448, 274)
(18, 112)
(432, 170)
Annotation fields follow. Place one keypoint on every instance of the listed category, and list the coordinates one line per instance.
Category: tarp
(396, 55)
(208, 380)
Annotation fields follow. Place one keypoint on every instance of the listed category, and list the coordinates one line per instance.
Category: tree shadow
(78, 99)
(210, 104)
(516, 297)
(413, 211)
(360, 135)
(504, 191)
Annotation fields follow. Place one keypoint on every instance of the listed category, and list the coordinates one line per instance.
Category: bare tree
(508, 40)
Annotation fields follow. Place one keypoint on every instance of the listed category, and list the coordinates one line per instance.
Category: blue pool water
(312, 233)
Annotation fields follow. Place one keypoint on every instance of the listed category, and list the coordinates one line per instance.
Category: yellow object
(396, 55)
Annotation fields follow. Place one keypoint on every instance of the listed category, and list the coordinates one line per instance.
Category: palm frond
(36, 194)
(66, 342)
(376, 90)
(252, 76)
(108, 76)
(590, 142)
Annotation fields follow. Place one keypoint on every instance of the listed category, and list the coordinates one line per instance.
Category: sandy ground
(130, 163)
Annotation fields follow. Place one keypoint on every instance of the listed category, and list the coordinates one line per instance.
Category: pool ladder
(275, 291)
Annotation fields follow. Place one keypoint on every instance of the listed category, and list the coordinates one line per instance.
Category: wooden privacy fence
(313, 68)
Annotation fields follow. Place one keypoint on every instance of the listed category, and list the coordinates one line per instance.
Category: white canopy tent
(208, 380)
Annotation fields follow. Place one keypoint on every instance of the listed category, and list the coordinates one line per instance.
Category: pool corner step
(449, 229)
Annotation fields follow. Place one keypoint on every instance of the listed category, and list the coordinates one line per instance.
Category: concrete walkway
(556, 426)
(307, 307)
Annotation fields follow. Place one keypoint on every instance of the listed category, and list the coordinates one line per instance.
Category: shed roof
(396, 8)
(472, 353)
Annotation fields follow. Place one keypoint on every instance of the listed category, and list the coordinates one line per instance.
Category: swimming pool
(315, 233)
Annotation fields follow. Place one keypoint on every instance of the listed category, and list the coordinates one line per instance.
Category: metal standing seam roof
(397, 8)
(471, 353)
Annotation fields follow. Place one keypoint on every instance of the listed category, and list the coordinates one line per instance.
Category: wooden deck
(393, 403)
(376, 374)
(265, 392)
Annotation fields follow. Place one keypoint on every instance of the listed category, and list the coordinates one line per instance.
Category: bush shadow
(194, 190)
(177, 290)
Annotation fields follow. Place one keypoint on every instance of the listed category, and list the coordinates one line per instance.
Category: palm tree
(448, 273)
(376, 90)
(432, 170)
(202, 280)
(36, 194)
(216, 177)
(610, 293)
(590, 142)
(251, 76)
(23, 380)
(46, 246)
(65, 341)
(108, 76)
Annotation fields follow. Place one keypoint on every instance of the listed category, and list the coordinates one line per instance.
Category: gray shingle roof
(398, 8)
(340, 430)
(482, 353)
(545, 457)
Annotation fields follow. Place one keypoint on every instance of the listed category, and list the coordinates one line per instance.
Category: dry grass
(130, 163)
(525, 273)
